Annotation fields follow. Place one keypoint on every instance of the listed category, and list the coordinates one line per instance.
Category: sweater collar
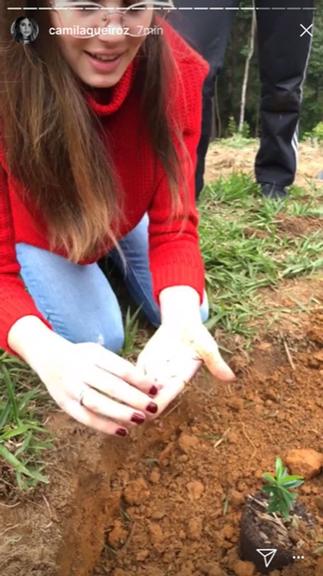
(115, 95)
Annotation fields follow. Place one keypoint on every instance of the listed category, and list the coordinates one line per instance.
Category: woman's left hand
(174, 354)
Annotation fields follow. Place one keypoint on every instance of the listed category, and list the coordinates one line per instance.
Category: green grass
(237, 141)
(244, 250)
(131, 333)
(23, 438)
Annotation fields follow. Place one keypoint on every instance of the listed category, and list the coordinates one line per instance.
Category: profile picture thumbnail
(24, 30)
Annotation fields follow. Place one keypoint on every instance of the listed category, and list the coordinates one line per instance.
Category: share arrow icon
(267, 554)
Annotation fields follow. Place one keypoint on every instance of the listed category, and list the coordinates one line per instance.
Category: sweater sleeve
(175, 257)
(15, 301)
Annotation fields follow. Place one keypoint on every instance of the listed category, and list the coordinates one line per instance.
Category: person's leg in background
(283, 56)
(208, 32)
(207, 115)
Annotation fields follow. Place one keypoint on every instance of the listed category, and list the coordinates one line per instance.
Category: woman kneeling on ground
(100, 121)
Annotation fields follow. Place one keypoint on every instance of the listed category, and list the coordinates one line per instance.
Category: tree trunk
(246, 71)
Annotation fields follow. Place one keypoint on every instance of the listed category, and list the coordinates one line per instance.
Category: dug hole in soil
(168, 500)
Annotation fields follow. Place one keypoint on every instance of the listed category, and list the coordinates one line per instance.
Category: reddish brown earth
(167, 501)
(183, 500)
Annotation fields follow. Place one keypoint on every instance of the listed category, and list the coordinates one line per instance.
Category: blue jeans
(78, 300)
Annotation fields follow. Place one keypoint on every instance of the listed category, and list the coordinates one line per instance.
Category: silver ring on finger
(81, 396)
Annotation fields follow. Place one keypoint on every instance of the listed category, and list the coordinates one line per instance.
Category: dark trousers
(283, 52)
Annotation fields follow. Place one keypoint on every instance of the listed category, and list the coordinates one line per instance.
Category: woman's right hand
(97, 387)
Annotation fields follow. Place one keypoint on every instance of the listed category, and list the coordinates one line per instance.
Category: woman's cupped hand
(111, 394)
(173, 355)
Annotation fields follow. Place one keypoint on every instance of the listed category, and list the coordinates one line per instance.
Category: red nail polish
(153, 391)
(121, 432)
(138, 418)
(152, 407)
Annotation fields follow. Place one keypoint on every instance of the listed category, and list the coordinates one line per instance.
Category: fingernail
(152, 407)
(138, 418)
(121, 432)
(231, 374)
(153, 391)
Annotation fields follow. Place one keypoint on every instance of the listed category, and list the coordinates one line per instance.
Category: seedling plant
(278, 488)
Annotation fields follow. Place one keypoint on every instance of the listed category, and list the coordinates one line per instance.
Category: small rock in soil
(183, 458)
(315, 332)
(164, 454)
(194, 529)
(270, 395)
(233, 437)
(235, 403)
(187, 442)
(243, 485)
(319, 567)
(136, 492)
(313, 363)
(264, 346)
(187, 569)
(236, 498)
(228, 531)
(227, 545)
(305, 461)
(168, 557)
(231, 558)
(319, 502)
(212, 570)
(142, 555)
(154, 476)
(154, 571)
(241, 568)
(319, 356)
(293, 535)
(157, 514)
(156, 533)
(118, 535)
(306, 489)
(195, 489)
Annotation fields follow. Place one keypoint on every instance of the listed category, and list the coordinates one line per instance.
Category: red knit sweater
(175, 259)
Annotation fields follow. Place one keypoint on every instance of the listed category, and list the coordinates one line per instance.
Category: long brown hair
(50, 133)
